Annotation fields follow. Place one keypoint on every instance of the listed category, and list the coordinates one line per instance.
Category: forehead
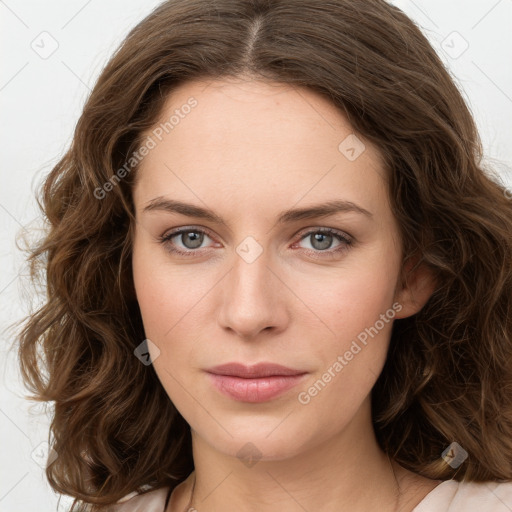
(249, 139)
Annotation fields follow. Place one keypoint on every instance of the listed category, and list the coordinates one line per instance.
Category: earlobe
(415, 292)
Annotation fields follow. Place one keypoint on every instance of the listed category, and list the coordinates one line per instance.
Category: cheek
(349, 300)
(164, 294)
(354, 316)
(164, 305)
(172, 300)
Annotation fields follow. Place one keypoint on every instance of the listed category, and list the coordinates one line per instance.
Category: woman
(278, 276)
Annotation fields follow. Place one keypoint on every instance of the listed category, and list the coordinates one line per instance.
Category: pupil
(318, 237)
(195, 238)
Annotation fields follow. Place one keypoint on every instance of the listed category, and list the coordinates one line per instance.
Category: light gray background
(41, 97)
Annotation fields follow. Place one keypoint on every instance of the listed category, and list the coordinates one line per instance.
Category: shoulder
(150, 501)
(153, 500)
(453, 496)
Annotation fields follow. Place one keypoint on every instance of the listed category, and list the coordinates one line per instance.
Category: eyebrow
(288, 216)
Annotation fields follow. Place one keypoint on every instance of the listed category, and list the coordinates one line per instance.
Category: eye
(190, 238)
(321, 239)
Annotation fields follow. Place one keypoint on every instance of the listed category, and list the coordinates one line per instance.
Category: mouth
(258, 383)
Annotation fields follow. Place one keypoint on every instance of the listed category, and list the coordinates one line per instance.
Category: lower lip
(254, 390)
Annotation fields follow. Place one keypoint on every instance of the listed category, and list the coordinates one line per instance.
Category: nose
(254, 298)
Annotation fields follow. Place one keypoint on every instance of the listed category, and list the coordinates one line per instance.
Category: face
(313, 292)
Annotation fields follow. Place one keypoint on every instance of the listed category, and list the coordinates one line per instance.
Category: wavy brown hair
(448, 375)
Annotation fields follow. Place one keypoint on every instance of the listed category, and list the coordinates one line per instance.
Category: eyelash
(328, 253)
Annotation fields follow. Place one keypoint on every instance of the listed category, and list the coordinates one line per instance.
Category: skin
(248, 151)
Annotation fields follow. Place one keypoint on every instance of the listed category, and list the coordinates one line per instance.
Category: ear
(413, 292)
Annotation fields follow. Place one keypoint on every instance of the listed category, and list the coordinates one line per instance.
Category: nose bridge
(250, 269)
(251, 298)
(250, 279)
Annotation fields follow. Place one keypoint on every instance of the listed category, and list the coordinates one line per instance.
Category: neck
(344, 472)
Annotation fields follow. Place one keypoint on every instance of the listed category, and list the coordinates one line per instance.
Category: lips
(254, 371)
(257, 383)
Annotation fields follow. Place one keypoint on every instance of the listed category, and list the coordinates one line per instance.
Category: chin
(263, 439)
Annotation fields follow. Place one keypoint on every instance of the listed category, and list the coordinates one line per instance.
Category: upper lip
(254, 371)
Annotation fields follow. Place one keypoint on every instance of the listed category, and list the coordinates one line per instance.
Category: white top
(448, 496)
(453, 496)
